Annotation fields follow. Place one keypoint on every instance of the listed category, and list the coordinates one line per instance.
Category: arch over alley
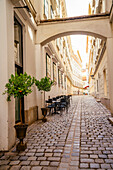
(99, 25)
(94, 25)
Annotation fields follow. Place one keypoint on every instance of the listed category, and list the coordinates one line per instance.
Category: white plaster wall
(29, 59)
(108, 4)
(39, 75)
(29, 63)
(110, 69)
(7, 132)
(103, 65)
(38, 7)
(7, 67)
(11, 70)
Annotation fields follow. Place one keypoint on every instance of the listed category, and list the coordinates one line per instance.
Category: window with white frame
(65, 82)
(52, 13)
(105, 82)
(48, 66)
(46, 8)
(57, 2)
(58, 5)
(62, 79)
(59, 77)
(58, 43)
(61, 46)
(54, 72)
(60, 12)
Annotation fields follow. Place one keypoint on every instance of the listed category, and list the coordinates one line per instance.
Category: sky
(77, 8)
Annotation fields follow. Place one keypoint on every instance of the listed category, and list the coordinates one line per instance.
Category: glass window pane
(46, 8)
(48, 66)
(54, 72)
(17, 42)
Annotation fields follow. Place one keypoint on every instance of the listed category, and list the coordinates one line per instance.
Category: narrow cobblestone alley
(79, 139)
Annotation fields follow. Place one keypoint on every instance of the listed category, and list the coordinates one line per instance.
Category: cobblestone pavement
(79, 139)
(96, 136)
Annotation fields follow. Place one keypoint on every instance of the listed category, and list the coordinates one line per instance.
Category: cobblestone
(84, 165)
(25, 168)
(35, 163)
(81, 139)
(23, 158)
(54, 164)
(45, 163)
(3, 167)
(36, 168)
(25, 163)
(4, 162)
(14, 162)
(15, 167)
(42, 158)
(32, 158)
(94, 165)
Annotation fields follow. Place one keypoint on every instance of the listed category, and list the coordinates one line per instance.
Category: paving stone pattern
(96, 136)
(79, 139)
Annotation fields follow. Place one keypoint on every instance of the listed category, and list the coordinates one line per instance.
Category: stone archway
(97, 26)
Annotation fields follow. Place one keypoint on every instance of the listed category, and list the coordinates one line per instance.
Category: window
(65, 82)
(58, 5)
(58, 43)
(57, 2)
(48, 66)
(62, 79)
(97, 85)
(52, 14)
(18, 57)
(58, 77)
(105, 83)
(46, 8)
(60, 12)
(61, 46)
(54, 72)
(18, 43)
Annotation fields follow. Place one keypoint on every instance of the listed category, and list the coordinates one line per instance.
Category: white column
(39, 74)
(7, 109)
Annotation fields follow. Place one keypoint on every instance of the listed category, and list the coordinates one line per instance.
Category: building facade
(98, 60)
(20, 53)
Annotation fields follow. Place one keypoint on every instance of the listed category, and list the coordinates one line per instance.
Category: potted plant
(19, 86)
(44, 85)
